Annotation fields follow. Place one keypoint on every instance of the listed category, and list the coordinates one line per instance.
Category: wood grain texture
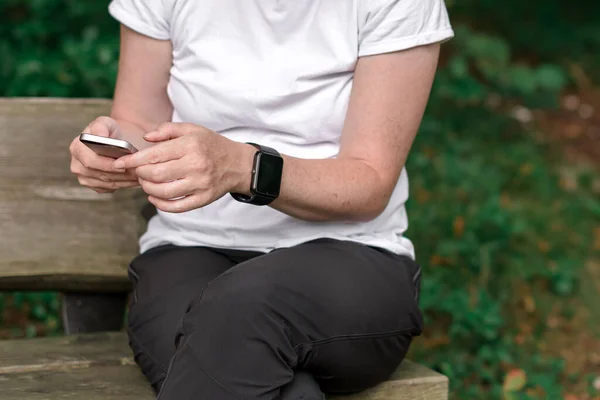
(98, 383)
(76, 351)
(55, 234)
(100, 366)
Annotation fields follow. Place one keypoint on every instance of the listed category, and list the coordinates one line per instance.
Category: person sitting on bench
(272, 138)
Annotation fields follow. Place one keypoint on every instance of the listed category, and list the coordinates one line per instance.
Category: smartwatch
(267, 170)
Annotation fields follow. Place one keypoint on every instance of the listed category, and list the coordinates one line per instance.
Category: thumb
(167, 131)
(104, 126)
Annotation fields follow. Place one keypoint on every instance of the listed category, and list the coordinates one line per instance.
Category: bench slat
(56, 234)
(57, 353)
(97, 383)
(100, 366)
(411, 381)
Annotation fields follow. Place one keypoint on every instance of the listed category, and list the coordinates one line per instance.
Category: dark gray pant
(230, 325)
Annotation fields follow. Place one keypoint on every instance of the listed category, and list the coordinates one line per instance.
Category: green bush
(485, 196)
(57, 48)
(491, 223)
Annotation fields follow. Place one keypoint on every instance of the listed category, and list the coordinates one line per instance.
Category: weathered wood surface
(410, 382)
(98, 383)
(64, 352)
(100, 366)
(55, 234)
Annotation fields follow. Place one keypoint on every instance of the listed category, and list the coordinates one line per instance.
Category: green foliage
(551, 31)
(488, 216)
(484, 63)
(38, 314)
(54, 48)
(490, 221)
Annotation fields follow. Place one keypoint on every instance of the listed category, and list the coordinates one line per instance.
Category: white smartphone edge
(87, 137)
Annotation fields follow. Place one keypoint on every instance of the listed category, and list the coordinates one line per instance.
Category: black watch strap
(257, 200)
(265, 149)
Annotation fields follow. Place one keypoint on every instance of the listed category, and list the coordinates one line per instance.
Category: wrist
(243, 161)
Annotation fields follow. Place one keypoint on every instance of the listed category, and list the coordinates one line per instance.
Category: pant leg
(342, 311)
(166, 281)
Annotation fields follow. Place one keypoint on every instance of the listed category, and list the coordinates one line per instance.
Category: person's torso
(279, 73)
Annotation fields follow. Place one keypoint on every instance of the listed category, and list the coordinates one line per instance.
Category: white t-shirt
(278, 73)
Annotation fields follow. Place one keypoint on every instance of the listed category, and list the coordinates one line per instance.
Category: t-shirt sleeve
(393, 25)
(147, 17)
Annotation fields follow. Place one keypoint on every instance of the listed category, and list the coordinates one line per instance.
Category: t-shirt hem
(129, 20)
(146, 244)
(422, 39)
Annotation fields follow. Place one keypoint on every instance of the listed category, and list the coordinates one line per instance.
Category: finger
(79, 169)
(180, 205)
(170, 130)
(112, 176)
(160, 153)
(167, 191)
(103, 126)
(94, 183)
(163, 172)
(89, 159)
(102, 191)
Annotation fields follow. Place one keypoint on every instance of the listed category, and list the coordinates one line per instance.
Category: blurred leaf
(522, 78)
(551, 77)
(459, 67)
(53, 324)
(514, 380)
(39, 311)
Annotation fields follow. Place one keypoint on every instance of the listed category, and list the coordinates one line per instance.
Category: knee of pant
(355, 365)
(233, 302)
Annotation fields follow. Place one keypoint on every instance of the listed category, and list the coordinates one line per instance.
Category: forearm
(141, 102)
(333, 189)
(325, 190)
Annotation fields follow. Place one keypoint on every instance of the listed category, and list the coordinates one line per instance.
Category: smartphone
(107, 147)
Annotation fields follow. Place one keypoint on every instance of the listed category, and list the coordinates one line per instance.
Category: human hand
(94, 171)
(189, 166)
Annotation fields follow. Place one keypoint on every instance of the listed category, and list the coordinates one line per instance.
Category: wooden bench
(55, 235)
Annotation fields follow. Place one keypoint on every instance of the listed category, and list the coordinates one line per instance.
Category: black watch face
(267, 180)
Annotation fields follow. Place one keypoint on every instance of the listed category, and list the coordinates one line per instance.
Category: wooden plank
(57, 353)
(98, 383)
(55, 234)
(92, 366)
(35, 135)
(127, 383)
(410, 382)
